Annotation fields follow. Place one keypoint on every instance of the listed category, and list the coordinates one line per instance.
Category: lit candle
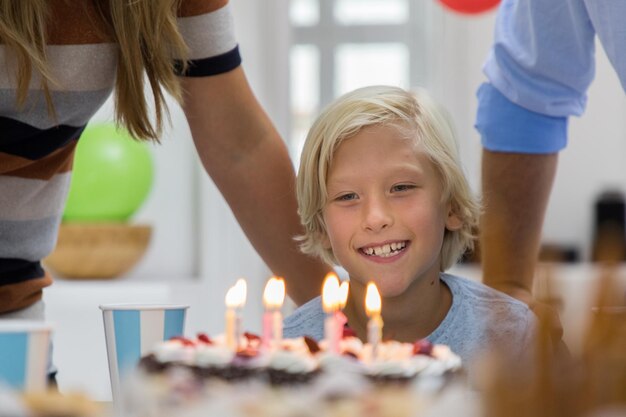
(373, 305)
(343, 294)
(340, 318)
(273, 298)
(330, 303)
(235, 300)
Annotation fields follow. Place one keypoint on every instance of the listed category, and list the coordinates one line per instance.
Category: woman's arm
(248, 161)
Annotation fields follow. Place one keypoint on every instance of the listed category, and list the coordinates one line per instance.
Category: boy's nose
(377, 216)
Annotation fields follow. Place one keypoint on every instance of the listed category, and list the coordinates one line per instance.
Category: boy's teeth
(385, 250)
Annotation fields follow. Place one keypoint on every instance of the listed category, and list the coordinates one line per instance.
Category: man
(539, 70)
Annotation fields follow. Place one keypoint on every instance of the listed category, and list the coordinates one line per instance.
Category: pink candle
(341, 318)
(267, 334)
(273, 298)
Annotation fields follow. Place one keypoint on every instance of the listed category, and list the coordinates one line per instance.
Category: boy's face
(384, 215)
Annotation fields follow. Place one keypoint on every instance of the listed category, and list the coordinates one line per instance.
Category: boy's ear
(453, 221)
(325, 241)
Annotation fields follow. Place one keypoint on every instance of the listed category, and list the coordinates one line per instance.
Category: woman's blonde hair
(148, 39)
(423, 122)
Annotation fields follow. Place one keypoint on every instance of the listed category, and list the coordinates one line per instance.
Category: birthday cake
(300, 360)
(295, 377)
(238, 374)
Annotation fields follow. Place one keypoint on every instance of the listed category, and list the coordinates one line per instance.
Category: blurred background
(299, 55)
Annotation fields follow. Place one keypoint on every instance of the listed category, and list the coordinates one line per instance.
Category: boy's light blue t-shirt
(479, 319)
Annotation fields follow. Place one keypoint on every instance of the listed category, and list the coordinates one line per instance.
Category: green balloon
(112, 176)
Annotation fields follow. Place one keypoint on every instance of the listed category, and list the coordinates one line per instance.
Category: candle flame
(274, 293)
(372, 300)
(330, 293)
(236, 295)
(343, 294)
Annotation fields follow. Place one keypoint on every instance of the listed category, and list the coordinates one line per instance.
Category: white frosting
(442, 352)
(397, 358)
(394, 351)
(351, 344)
(297, 345)
(174, 351)
(420, 362)
(389, 368)
(256, 362)
(449, 360)
(392, 358)
(340, 364)
(212, 355)
(292, 362)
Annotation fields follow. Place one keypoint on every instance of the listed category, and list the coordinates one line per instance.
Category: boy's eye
(347, 197)
(402, 187)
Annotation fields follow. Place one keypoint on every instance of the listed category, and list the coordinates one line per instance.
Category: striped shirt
(36, 151)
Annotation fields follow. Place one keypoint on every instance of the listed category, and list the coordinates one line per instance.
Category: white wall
(458, 46)
(594, 160)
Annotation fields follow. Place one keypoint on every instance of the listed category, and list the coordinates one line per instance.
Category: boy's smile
(385, 250)
(385, 217)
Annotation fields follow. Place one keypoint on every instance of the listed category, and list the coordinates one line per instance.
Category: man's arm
(248, 161)
(516, 189)
(539, 69)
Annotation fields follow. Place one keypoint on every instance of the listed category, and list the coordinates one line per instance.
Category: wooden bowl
(97, 250)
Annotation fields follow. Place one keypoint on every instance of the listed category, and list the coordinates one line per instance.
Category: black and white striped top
(36, 151)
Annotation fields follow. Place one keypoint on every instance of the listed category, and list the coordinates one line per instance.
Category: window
(340, 45)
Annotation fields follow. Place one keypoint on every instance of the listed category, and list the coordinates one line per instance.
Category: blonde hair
(148, 39)
(417, 115)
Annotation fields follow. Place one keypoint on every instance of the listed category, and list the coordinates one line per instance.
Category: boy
(381, 193)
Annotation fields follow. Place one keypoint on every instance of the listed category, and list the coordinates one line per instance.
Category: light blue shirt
(540, 67)
(479, 318)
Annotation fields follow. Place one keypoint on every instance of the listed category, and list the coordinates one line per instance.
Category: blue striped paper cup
(24, 354)
(132, 330)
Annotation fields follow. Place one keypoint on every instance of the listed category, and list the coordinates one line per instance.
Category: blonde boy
(381, 193)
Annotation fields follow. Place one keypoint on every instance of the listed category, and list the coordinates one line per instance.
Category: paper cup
(24, 354)
(132, 330)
